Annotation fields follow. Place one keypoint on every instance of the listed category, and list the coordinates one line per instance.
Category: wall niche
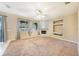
(58, 27)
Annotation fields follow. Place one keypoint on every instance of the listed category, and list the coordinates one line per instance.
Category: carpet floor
(41, 46)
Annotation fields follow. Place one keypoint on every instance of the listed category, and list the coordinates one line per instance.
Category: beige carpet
(41, 46)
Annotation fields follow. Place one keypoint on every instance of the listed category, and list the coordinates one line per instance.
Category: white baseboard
(65, 39)
(70, 41)
(5, 45)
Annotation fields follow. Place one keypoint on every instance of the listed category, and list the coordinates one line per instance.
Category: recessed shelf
(58, 27)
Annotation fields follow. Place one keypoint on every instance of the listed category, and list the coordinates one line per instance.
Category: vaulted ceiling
(33, 9)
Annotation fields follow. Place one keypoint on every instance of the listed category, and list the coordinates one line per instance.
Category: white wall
(70, 27)
(78, 31)
(11, 25)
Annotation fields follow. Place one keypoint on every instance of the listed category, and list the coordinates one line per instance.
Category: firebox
(43, 32)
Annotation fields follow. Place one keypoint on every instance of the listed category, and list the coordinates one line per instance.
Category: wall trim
(5, 45)
(66, 40)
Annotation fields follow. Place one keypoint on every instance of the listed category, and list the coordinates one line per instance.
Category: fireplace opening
(43, 32)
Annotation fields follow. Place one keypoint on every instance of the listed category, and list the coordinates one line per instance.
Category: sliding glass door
(2, 29)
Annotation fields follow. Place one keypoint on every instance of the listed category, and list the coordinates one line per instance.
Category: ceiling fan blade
(67, 3)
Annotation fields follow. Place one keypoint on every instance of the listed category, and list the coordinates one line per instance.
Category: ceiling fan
(39, 12)
(66, 3)
(7, 6)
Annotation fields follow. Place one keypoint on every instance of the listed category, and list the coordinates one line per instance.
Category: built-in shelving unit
(23, 25)
(58, 27)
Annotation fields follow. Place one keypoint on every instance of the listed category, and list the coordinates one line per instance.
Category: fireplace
(43, 31)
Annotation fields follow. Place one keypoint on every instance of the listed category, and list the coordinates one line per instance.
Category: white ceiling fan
(66, 3)
(41, 15)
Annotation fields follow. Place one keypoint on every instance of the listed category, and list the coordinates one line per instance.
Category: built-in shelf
(23, 25)
(58, 27)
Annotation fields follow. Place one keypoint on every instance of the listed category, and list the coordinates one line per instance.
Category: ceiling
(30, 9)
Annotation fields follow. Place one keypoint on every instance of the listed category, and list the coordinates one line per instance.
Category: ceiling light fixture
(67, 3)
(40, 15)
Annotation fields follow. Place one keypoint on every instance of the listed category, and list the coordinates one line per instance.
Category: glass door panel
(1, 29)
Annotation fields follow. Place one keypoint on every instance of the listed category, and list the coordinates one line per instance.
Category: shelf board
(57, 21)
(57, 24)
(58, 34)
